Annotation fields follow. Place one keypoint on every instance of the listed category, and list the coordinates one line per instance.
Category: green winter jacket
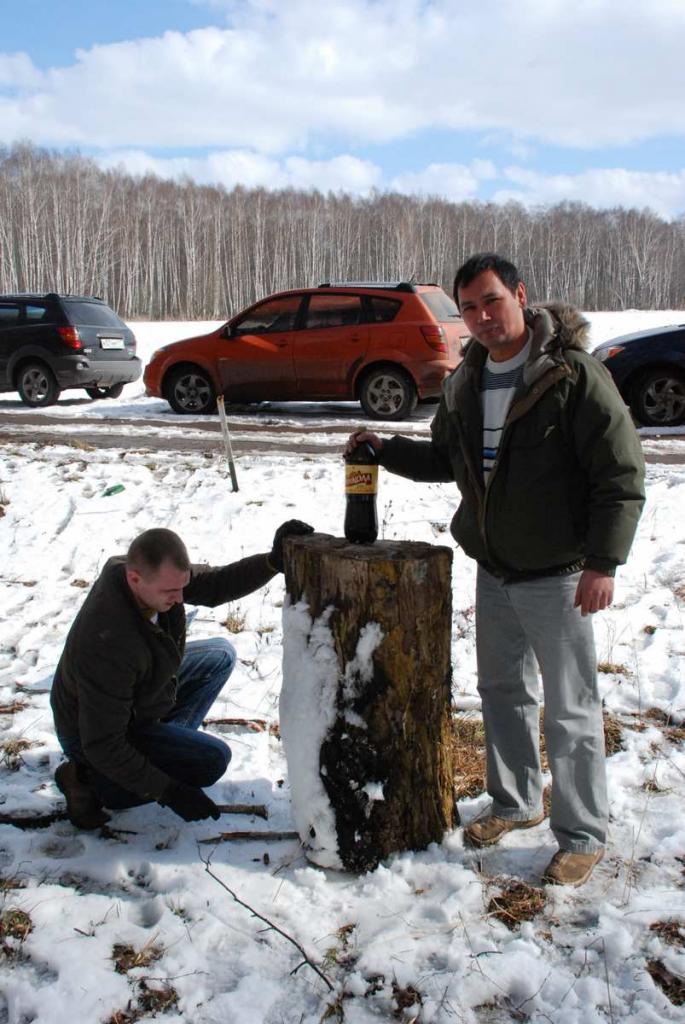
(567, 488)
(118, 669)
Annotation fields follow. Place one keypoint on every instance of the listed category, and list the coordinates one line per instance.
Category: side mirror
(227, 331)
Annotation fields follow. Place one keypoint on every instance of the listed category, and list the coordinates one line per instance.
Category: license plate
(111, 342)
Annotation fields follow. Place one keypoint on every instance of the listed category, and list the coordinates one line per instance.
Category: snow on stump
(365, 703)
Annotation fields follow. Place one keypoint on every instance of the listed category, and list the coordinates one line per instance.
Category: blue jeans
(174, 745)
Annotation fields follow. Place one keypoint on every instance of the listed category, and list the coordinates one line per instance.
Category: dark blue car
(649, 370)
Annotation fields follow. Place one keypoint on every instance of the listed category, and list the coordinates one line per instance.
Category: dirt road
(256, 433)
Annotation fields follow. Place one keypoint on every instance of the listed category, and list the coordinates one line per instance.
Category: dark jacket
(118, 669)
(567, 487)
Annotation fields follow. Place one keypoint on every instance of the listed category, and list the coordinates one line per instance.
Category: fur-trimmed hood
(556, 325)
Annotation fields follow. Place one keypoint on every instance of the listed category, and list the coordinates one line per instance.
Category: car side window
(333, 311)
(34, 313)
(269, 317)
(10, 314)
(382, 310)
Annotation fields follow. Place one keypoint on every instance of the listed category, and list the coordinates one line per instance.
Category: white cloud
(457, 182)
(283, 75)
(252, 170)
(661, 191)
(17, 71)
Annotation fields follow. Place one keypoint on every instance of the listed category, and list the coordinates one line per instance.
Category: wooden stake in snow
(227, 441)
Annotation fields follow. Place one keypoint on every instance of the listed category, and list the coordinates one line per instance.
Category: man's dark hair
(151, 548)
(475, 265)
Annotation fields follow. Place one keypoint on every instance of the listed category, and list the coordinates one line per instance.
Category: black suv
(52, 342)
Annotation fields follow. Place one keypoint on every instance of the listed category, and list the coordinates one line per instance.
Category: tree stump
(365, 704)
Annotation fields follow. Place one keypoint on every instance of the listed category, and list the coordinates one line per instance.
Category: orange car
(387, 345)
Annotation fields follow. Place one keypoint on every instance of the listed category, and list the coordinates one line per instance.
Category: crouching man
(129, 695)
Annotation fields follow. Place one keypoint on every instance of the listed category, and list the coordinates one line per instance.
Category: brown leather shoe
(488, 831)
(83, 807)
(568, 868)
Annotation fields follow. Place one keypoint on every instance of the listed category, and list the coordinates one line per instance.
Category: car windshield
(441, 306)
(93, 314)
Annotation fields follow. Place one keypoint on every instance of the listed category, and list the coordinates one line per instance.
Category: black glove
(189, 802)
(293, 528)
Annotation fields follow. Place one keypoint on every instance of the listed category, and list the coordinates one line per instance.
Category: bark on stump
(380, 616)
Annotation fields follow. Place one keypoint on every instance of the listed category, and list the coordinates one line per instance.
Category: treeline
(177, 250)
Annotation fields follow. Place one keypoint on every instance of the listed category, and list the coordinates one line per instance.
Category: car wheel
(659, 398)
(112, 392)
(37, 385)
(190, 390)
(388, 393)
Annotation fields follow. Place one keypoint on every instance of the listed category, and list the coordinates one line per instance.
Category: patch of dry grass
(652, 786)
(547, 799)
(126, 958)
(613, 734)
(615, 668)
(11, 753)
(405, 997)
(516, 902)
(340, 955)
(10, 882)
(468, 756)
(672, 985)
(150, 1001)
(157, 1000)
(670, 932)
(14, 707)
(674, 732)
(82, 446)
(235, 622)
(15, 924)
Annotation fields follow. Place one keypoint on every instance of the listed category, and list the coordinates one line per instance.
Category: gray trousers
(517, 625)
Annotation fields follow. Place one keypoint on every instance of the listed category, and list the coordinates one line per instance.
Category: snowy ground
(418, 925)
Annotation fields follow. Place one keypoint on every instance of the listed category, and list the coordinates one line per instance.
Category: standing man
(129, 695)
(551, 476)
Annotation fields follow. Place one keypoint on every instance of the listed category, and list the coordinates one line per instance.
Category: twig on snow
(227, 837)
(259, 810)
(255, 913)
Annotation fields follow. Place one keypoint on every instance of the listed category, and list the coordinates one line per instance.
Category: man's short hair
(475, 265)
(151, 548)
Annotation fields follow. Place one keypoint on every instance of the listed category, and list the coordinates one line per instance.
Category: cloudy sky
(534, 100)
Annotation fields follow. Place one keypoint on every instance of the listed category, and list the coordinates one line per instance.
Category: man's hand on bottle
(293, 528)
(189, 802)
(359, 436)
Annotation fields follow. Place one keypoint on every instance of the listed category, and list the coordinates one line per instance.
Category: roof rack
(49, 295)
(398, 286)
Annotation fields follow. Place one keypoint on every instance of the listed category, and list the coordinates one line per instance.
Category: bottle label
(361, 479)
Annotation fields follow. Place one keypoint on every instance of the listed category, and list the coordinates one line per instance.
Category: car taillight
(70, 336)
(435, 337)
